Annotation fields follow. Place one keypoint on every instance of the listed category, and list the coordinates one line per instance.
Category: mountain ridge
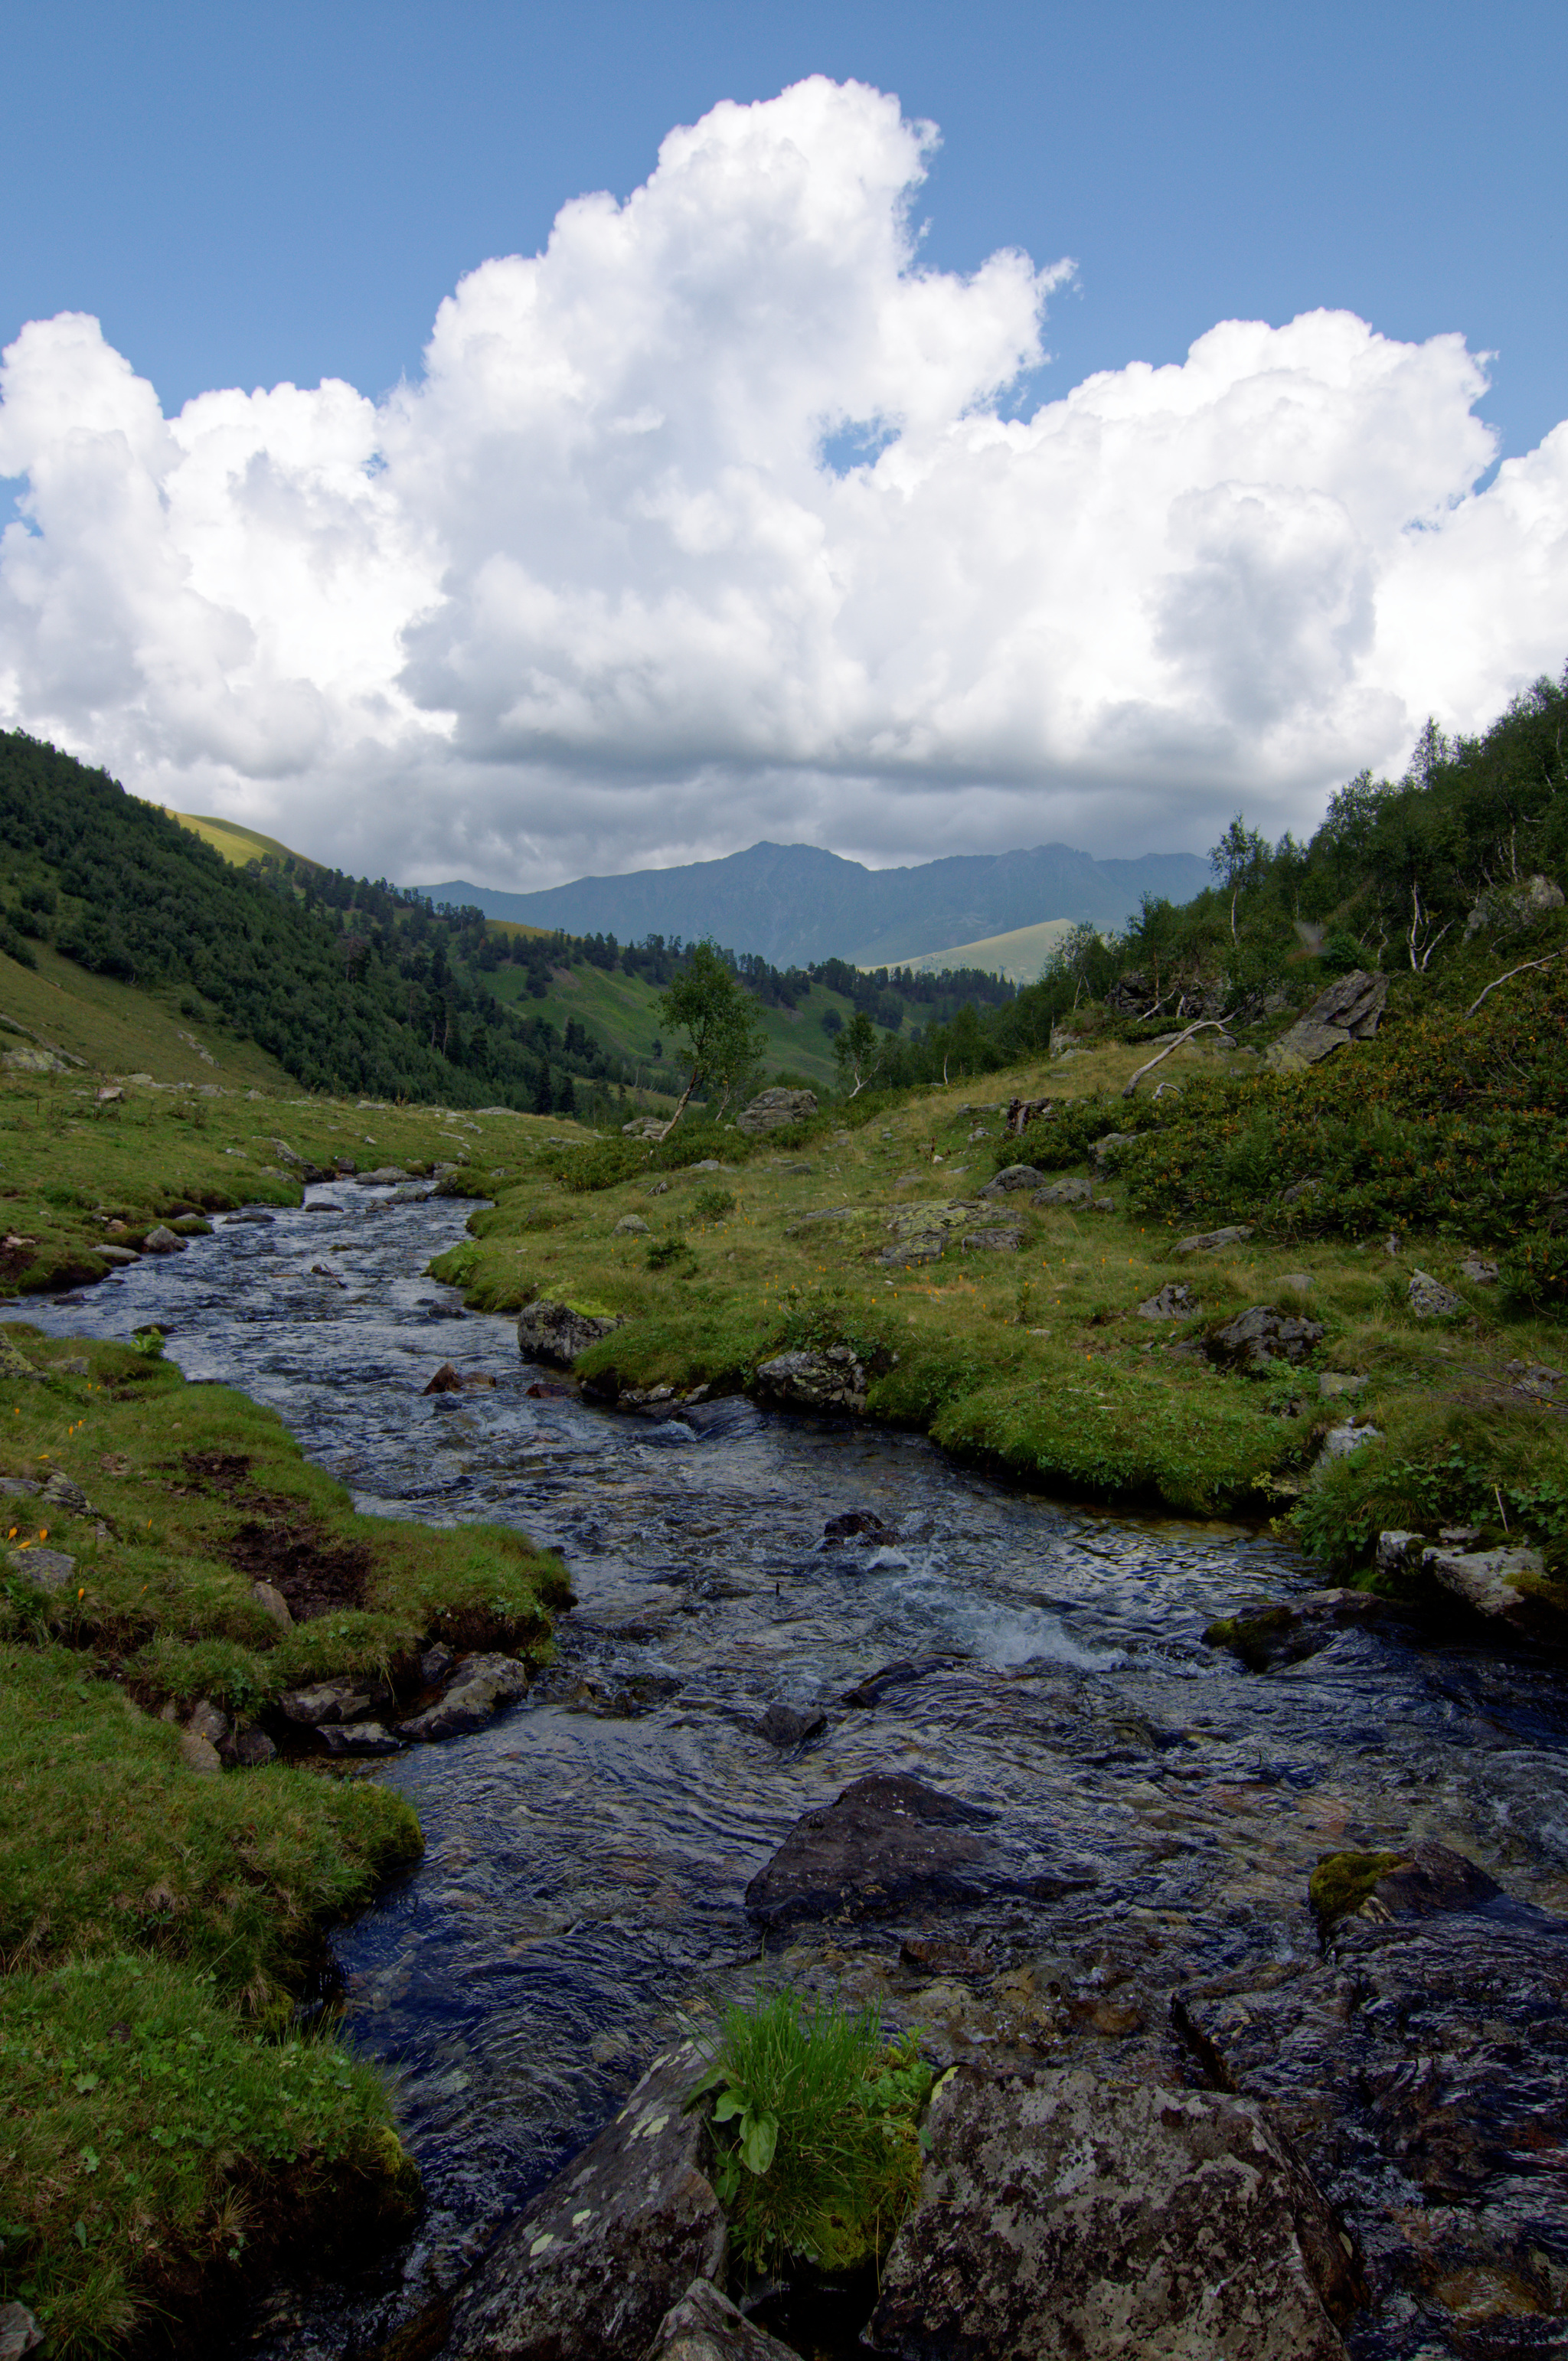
(794, 903)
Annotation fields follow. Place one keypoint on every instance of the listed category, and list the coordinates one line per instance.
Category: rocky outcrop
(1257, 1340)
(591, 2267)
(480, 1685)
(1348, 1011)
(1420, 2071)
(775, 1110)
(1063, 2218)
(889, 1839)
(828, 1380)
(556, 1333)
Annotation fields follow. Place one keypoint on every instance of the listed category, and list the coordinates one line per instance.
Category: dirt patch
(217, 1471)
(286, 1549)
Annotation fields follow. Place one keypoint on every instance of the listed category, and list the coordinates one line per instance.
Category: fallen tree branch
(1512, 972)
(1205, 1024)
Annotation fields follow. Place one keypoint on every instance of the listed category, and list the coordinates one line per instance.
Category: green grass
(814, 2129)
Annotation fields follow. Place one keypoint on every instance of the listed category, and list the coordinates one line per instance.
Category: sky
(508, 441)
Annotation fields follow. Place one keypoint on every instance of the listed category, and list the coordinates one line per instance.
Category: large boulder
(1508, 1586)
(1064, 1192)
(1429, 1300)
(557, 1333)
(1508, 910)
(1348, 1011)
(1064, 2218)
(889, 1839)
(831, 1379)
(590, 2268)
(775, 1110)
(1013, 1175)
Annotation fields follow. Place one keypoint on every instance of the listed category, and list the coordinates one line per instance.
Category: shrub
(713, 1204)
(813, 2130)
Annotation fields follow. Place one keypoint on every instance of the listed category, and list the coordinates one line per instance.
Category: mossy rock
(1342, 1880)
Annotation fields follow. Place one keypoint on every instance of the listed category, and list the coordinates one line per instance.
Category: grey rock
(831, 1379)
(556, 1333)
(14, 1365)
(1213, 1241)
(888, 1840)
(199, 1755)
(991, 1241)
(705, 2326)
(47, 1569)
(250, 1749)
(162, 1241)
(1334, 1382)
(1063, 2218)
(1511, 908)
(1172, 1303)
(1014, 1176)
(1534, 1378)
(60, 1488)
(644, 1127)
(385, 1176)
(1507, 1585)
(480, 1685)
(435, 1665)
(591, 2267)
(773, 1110)
(120, 1258)
(1299, 1279)
(1064, 1192)
(924, 1245)
(1399, 1551)
(660, 1188)
(19, 2331)
(630, 1225)
(1104, 1148)
(1298, 1190)
(707, 1164)
(784, 1725)
(1429, 1300)
(332, 1701)
(1479, 1269)
(1348, 1011)
(1341, 1442)
(1256, 1339)
(271, 1601)
(357, 1738)
(208, 1721)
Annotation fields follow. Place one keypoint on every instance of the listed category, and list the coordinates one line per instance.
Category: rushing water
(588, 1854)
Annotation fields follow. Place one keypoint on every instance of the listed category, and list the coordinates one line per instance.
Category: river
(588, 1854)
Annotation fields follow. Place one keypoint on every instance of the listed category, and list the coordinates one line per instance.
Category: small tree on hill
(723, 1034)
(1239, 860)
(854, 1053)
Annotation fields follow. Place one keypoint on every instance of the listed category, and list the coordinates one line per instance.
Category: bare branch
(1512, 972)
(1205, 1024)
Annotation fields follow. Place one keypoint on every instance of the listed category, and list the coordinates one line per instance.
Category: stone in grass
(1480, 1270)
(1334, 1382)
(273, 1604)
(775, 1109)
(1534, 1378)
(199, 1753)
(630, 1225)
(1213, 1241)
(1341, 1442)
(1068, 2219)
(162, 1241)
(591, 2267)
(831, 1379)
(705, 2326)
(19, 2331)
(556, 1333)
(1172, 1303)
(1255, 1340)
(992, 1241)
(1014, 1176)
(1429, 1300)
(1070, 1191)
(249, 1750)
(47, 1569)
(13, 1363)
(120, 1258)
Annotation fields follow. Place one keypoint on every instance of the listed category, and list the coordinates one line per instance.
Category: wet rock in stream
(1064, 2217)
(705, 2326)
(591, 2267)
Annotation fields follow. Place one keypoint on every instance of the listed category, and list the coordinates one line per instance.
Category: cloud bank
(602, 589)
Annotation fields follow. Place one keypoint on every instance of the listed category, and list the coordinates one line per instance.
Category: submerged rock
(787, 1725)
(1063, 2218)
(590, 2268)
(446, 1380)
(1420, 2071)
(1288, 1635)
(557, 1333)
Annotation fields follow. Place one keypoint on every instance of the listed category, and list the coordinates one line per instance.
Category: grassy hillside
(117, 1028)
(236, 844)
(1020, 954)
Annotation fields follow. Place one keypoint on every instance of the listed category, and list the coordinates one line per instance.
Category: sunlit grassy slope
(235, 843)
(119, 1028)
(1019, 955)
(621, 1012)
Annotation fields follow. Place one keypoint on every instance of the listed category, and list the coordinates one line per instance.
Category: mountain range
(794, 903)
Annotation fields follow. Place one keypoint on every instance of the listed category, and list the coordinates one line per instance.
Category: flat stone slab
(1064, 2218)
(590, 2268)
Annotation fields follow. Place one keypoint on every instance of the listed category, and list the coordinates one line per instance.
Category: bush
(813, 2130)
(713, 1204)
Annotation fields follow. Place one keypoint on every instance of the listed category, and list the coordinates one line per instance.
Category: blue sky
(1233, 582)
(243, 195)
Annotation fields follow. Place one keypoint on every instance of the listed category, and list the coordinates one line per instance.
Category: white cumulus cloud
(593, 593)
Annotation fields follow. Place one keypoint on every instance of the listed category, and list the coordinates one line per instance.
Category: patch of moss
(1341, 1882)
